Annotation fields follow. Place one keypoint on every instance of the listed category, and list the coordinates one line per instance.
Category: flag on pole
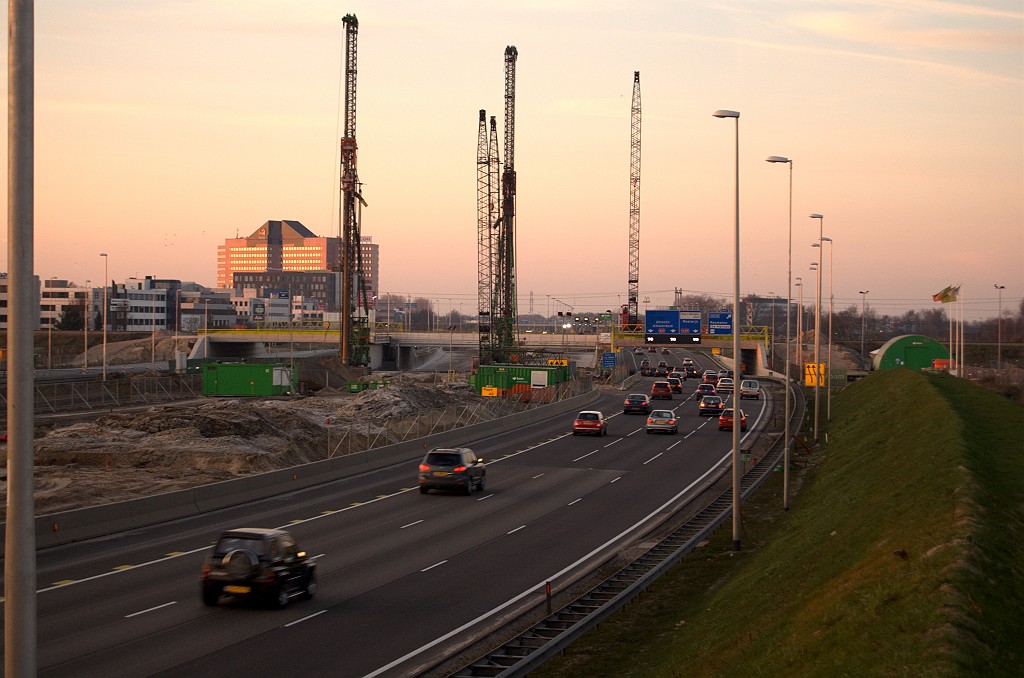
(946, 295)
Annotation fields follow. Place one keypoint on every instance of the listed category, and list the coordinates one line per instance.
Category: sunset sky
(164, 127)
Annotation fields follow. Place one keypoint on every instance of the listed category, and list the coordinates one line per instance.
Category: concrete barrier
(95, 521)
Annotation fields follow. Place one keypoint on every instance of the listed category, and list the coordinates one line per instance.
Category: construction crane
(496, 284)
(632, 313)
(504, 342)
(354, 308)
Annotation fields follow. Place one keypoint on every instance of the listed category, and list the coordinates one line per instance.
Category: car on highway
(662, 421)
(750, 388)
(678, 374)
(724, 373)
(590, 421)
(651, 349)
(455, 468)
(692, 372)
(665, 351)
(710, 406)
(258, 563)
(661, 372)
(703, 390)
(725, 420)
(638, 350)
(710, 377)
(724, 385)
(687, 362)
(661, 389)
(636, 402)
(676, 384)
(646, 369)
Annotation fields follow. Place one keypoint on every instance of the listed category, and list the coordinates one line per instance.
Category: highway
(404, 577)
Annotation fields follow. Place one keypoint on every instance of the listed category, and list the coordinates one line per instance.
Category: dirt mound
(161, 449)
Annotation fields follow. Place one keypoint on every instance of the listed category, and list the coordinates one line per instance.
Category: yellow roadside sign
(489, 391)
(814, 379)
(558, 361)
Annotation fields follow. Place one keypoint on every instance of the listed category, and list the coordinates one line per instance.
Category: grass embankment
(902, 554)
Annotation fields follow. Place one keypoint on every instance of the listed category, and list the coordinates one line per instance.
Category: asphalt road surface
(404, 577)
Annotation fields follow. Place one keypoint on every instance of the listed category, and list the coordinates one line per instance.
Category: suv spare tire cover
(241, 563)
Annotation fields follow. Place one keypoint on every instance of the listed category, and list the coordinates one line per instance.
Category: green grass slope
(902, 555)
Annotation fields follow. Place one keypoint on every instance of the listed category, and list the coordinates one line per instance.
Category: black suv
(260, 563)
(457, 468)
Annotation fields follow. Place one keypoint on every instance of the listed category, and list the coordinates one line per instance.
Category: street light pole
(817, 335)
(85, 325)
(800, 324)
(789, 302)
(863, 323)
(106, 260)
(828, 407)
(737, 368)
(999, 328)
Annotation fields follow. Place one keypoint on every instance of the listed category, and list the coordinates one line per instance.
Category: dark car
(710, 406)
(661, 389)
(703, 390)
(710, 377)
(646, 369)
(676, 384)
(665, 351)
(636, 402)
(692, 371)
(590, 421)
(457, 468)
(259, 563)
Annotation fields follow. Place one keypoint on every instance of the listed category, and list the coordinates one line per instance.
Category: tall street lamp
(863, 323)
(106, 260)
(800, 323)
(817, 335)
(735, 115)
(789, 302)
(999, 328)
(85, 325)
(828, 369)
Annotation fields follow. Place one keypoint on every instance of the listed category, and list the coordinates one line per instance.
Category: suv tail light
(459, 469)
(424, 467)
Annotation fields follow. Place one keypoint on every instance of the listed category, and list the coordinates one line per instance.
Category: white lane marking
(536, 476)
(136, 614)
(576, 501)
(516, 530)
(486, 497)
(532, 590)
(636, 431)
(653, 458)
(586, 455)
(306, 618)
(434, 565)
(617, 440)
(674, 444)
(410, 524)
(615, 480)
(689, 434)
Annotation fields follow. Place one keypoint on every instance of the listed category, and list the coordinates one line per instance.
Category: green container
(507, 378)
(243, 379)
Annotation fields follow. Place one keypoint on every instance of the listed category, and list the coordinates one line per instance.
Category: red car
(590, 421)
(725, 420)
(661, 389)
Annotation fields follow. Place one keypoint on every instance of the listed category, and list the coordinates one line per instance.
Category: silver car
(662, 421)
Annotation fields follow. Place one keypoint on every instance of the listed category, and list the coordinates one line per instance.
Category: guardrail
(86, 523)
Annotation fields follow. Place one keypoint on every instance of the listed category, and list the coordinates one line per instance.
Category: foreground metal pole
(737, 376)
(20, 542)
(789, 314)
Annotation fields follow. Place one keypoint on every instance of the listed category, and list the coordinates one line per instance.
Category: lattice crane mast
(504, 342)
(488, 223)
(354, 311)
(632, 314)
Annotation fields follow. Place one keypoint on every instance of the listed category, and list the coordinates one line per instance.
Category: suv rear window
(444, 459)
(228, 544)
